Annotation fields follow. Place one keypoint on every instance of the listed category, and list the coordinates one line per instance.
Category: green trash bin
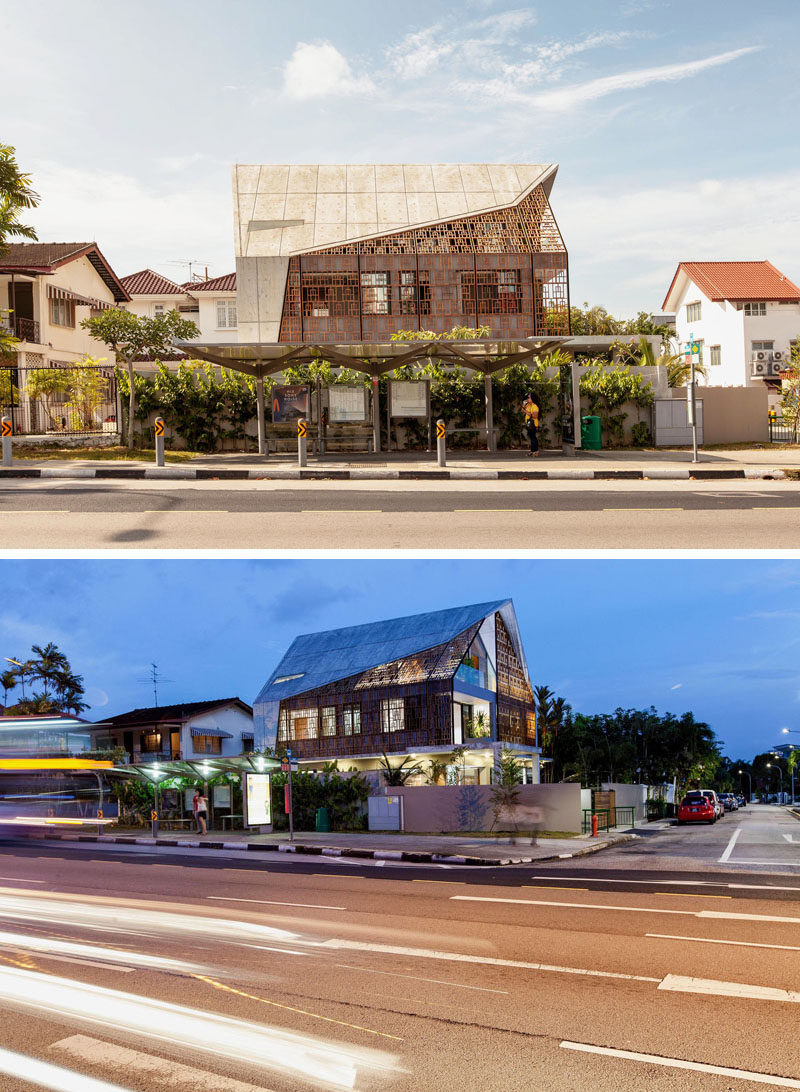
(591, 439)
(323, 820)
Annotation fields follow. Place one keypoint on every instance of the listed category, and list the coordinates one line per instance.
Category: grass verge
(99, 454)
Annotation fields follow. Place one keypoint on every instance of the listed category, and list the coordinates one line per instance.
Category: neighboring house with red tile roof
(211, 304)
(46, 290)
(745, 316)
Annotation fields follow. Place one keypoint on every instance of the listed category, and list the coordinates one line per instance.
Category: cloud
(317, 70)
(421, 51)
(677, 686)
(567, 98)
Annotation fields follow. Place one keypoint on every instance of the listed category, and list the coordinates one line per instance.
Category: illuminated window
(207, 745)
(283, 726)
(151, 742)
(329, 720)
(305, 723)
(351, 720)
(375, 294)
(392, 715)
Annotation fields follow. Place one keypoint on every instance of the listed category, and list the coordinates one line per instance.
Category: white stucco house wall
(745, 316)
(217, 728)
(210, 304)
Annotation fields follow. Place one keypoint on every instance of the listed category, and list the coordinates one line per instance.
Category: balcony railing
(24, 328)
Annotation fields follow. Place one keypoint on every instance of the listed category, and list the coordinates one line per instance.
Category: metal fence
(59, 399)
(781, 431)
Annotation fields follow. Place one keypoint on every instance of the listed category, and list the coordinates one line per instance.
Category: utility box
(591, 437)
(323, 824)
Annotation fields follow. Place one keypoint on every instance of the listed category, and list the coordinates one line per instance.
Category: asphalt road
(155, 971)
(403, 515)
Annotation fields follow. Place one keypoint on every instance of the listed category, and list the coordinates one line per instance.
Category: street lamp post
(750, 779)
(773, 766)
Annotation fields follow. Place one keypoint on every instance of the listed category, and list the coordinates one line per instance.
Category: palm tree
(15, 194)
(678, 371)
(49, 666)
(70, 693)
(398, 775)
(8, 681)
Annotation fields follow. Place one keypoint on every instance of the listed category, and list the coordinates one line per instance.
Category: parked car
(741, 801)
(728, 801)
(696, 808)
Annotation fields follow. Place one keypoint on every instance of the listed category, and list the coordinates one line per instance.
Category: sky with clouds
(674, 122)
(717, 637)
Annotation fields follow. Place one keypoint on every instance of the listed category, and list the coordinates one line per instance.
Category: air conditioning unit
(761, 367)
(777, 355)
(761, 356)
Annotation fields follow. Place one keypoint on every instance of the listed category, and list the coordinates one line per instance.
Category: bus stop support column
(260, 414)
(376, 417)
(576, 405)
(491, 443)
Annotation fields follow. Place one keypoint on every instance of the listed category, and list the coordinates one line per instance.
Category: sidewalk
(757, 462)
(417, 848)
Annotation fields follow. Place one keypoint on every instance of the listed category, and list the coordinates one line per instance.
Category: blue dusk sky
(674, 122)
(717, 637)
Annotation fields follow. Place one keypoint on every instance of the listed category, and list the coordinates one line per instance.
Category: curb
(185, 473)
(410, 856)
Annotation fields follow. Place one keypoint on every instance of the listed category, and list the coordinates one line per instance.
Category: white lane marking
(20, 879)
(657, 883)
(272, 902)
(783, 864)
(490, 961)
(85, 1049)
(572, 905)
(788, 837)
(679, 983)
(729, 848)
(46, 1075)
(761, 887)
(86, 953)
(95, 963)
(679, 1063)
(437, 981)
(737, 943)
(727, 915)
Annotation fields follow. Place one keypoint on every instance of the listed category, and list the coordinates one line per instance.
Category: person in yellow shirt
(530, 412)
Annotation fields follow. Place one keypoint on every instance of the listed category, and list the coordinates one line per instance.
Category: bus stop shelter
(484, 355)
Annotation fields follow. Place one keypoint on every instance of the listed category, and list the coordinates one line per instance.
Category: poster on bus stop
(347, 403)
(290, 403)
(257, 800)
(409, 398)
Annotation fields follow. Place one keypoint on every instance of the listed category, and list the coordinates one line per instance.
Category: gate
(58, 399)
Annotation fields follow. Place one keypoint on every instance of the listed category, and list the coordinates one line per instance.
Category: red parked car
(696, 808)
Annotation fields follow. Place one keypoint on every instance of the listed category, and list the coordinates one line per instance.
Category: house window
(226, 315)
(327, 295)
(499, 292)
(207, 745)
(412, 295)
(692, 312)
(715, 354)
(392, 715)
(329, 720)
(375, 294)
(151, 742)
(248, 744)
(351, 720)
(62, 312)
(304, 723)
(283, 726)
(159, 310)
(757, 308)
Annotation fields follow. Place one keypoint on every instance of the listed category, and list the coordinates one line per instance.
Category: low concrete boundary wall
(435, 808)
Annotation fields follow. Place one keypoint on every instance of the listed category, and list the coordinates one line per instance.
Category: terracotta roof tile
(148, 283)
(738, 281)
(225, 283)
(39, 254)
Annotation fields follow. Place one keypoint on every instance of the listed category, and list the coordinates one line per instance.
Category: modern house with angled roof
(164, 733)
(211, 304)
(745, 316)
(416, 686)
(352, 253)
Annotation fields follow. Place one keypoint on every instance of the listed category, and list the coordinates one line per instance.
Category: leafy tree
(61, 690)
(16, 195)
(130, 336)
(790, 400)
(8, 351)
(400, 774)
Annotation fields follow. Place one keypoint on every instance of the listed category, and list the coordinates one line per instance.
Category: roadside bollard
(154, 822)
(594, 826)
(6, 432)
(159, 431)
(441, 452)
(302, 442)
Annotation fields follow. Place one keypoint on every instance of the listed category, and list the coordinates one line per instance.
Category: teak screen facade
(504, 269)
(405, 705)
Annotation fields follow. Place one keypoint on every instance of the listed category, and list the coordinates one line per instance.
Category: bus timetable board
(409, 398)
(347, 403)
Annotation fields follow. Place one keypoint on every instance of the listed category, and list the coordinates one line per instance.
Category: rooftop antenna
(189, 262)
(154, 677)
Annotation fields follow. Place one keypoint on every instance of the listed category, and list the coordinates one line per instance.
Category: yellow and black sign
(302, 429)
(159, 426)
(6, 427)
(154, 815)
(99, 813)
(440, 428)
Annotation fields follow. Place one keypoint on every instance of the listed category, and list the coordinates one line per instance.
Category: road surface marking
(679, 1063)
(784, 864)
(337, 511)
(695, 895)
(103, 965)
(273, 902)
(730, 845)
(573, 905)
(760, 887)
(665, 508)
(550, 887)
(788, 837)
(737, 943)
(728, 915)
(684, 984)
(291, 1008)
(489, 961)
(492, 509)
(19, 879)
(85, 1049)
(462, 883)
(684, 883)
(46, 1075)
(437, 981)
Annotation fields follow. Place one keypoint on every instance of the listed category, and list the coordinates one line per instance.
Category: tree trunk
(131, 405)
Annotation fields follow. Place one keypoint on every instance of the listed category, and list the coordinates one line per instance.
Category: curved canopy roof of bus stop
(484, 355)
(197, 769)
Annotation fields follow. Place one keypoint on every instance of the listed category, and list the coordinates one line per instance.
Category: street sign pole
(6, 434)
(159, 431)
(441, 451)
(692, 350)
(289, 795)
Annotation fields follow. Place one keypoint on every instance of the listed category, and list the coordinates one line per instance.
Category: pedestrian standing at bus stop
(530, 412)
(200, 805)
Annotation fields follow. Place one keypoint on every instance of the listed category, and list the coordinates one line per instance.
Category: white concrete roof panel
(351, 201)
